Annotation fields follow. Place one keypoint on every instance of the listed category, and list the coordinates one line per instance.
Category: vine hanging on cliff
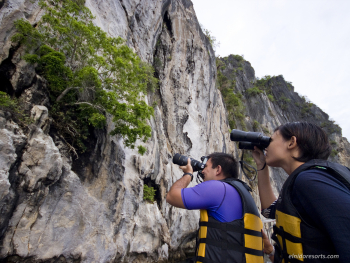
(89, 74)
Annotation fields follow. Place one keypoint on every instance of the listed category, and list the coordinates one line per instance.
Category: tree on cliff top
(212, 39)
(89, 74)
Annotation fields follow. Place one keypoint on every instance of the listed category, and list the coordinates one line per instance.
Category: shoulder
(219, 185)
(213, 183)
(207, 188)
(206, 195)
(316, 176)
(314, 181)
(320, 198)
(310, 175)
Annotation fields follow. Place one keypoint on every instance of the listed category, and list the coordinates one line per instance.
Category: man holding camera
(230, 226)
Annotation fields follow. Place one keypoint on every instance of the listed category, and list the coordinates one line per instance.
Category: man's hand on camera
(174, 195)
(188, 168)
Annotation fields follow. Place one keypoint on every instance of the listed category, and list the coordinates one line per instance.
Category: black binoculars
(247, 140)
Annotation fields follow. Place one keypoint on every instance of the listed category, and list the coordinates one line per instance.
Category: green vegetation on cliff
(262, 85)
(148, 193)
(89, 74)
(253, 91)
(232, 99)
(6, 101)
(13, 106)
(212, 39)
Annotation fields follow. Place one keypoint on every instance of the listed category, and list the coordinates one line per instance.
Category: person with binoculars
(312, 211)
(230, 226)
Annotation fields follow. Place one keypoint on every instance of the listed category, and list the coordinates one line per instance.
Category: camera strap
(248, 167)
(199, 178)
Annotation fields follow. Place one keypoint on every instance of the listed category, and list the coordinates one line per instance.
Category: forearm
(267, 197)
(183, 182)
(174, 194)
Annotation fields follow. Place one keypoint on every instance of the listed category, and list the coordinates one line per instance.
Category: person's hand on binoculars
(188, 168)
(259, 157)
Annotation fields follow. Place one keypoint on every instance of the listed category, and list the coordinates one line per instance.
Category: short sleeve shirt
(221, 200)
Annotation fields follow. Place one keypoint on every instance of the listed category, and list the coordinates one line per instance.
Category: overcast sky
(306, 41)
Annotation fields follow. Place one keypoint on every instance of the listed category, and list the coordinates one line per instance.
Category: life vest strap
(286, 236)
(204, 260)
(232, 228)
(279, 231)
(281, 253)
(225, 245)
(294, 239)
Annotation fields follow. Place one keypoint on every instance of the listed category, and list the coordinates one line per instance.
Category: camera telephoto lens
(181, 160)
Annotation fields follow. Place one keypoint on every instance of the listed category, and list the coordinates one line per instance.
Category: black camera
(247, 140)
(197, 166)
(181, 160)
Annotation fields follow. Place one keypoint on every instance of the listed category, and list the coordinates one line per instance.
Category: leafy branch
(89, 73)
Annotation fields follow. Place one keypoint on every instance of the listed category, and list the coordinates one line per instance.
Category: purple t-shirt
(221, 200)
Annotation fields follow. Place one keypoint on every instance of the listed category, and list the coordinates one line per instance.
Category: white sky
(306, 41)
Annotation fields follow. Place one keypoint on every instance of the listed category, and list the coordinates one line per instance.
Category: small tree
(89, 74)
(212, 39)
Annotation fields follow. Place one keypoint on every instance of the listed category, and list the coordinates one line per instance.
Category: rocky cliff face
(57, 208)
(91, 209)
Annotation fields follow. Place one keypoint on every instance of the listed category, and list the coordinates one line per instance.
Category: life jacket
(294, 237)
(236, 241)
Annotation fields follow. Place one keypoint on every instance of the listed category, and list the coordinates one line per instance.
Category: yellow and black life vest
(237, 241)
(294, 237)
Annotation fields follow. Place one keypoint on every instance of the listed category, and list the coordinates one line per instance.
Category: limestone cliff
(91, 209)
(57, 208)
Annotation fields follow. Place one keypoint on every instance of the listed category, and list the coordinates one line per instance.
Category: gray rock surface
(41, 162)
(11, 141)
(92, 209)
(9, 13)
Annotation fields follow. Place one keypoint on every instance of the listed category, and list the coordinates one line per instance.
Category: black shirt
(323, 202)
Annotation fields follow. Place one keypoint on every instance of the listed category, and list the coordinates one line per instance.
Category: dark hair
(228, 164)
(311, 139)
